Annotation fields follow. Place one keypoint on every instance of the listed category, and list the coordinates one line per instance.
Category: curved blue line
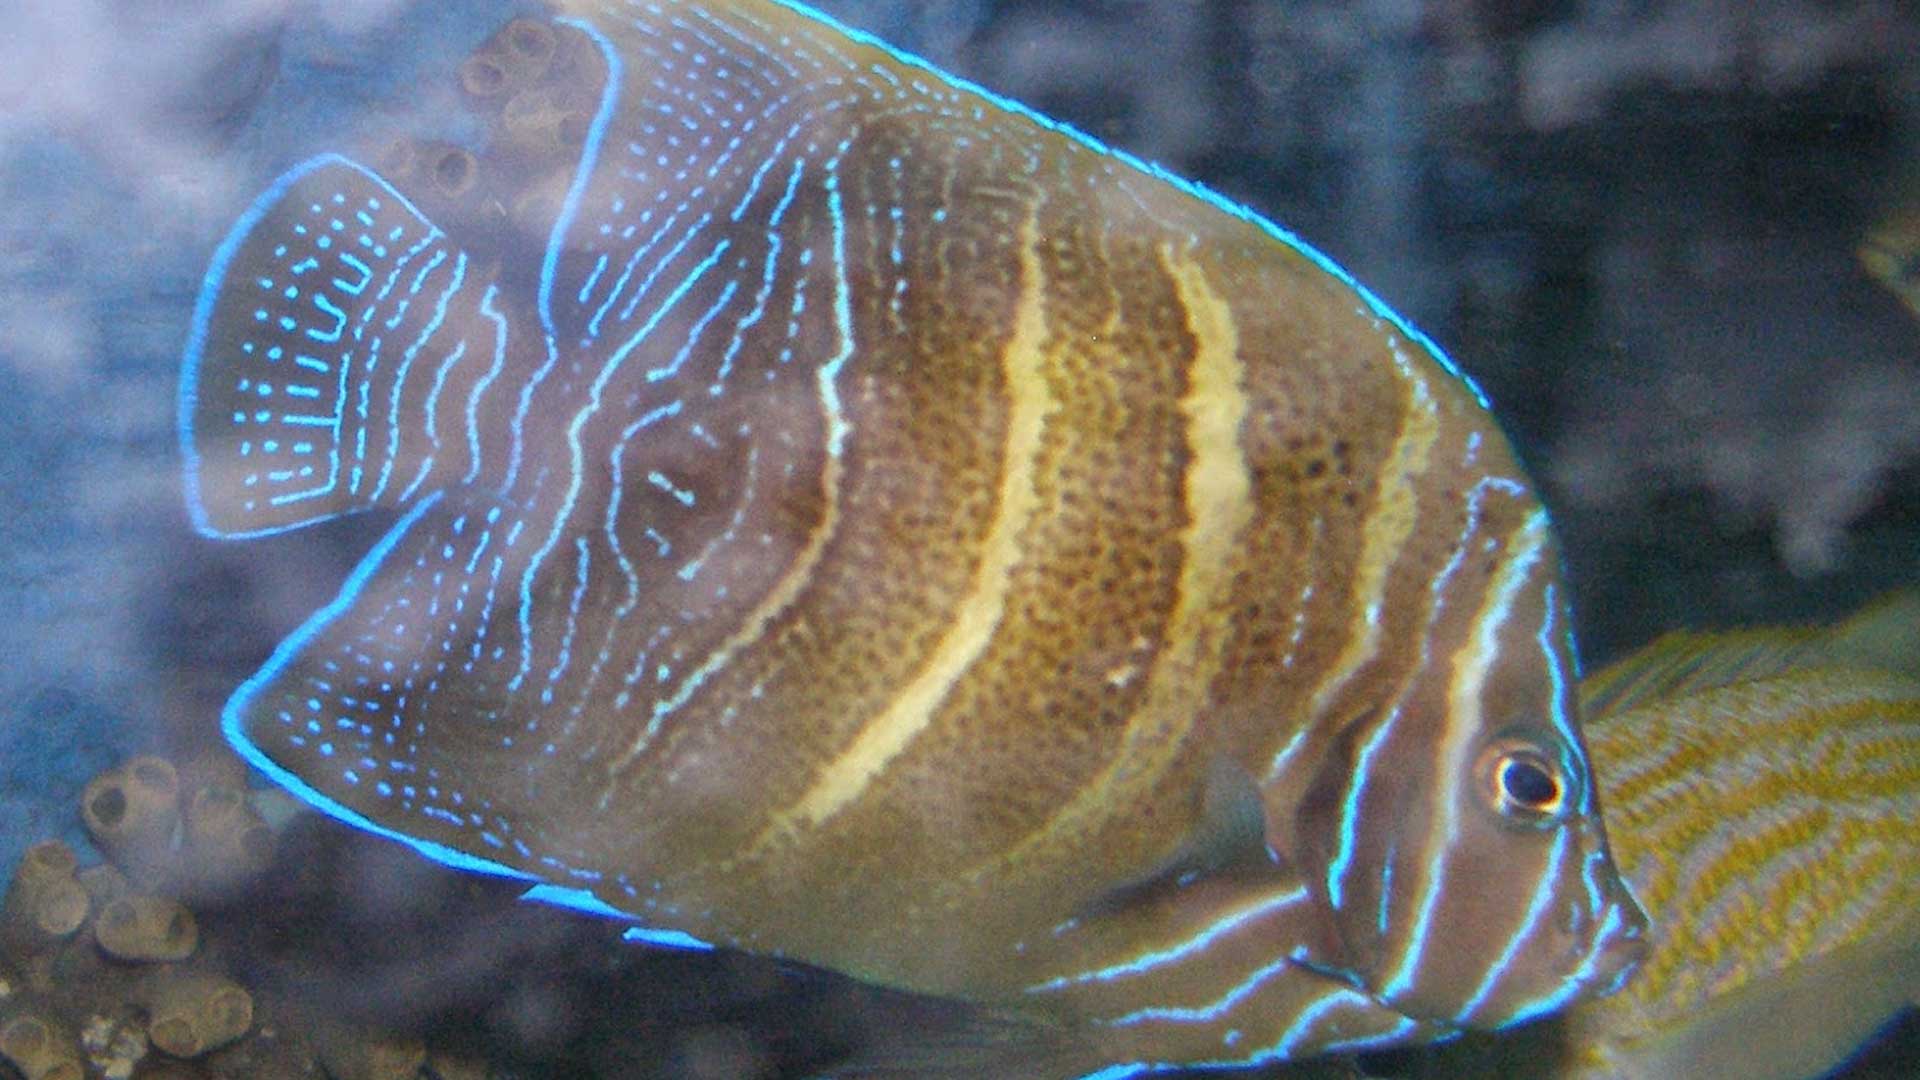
(1292, 240)
(589, 156)
(556, 240)
(210, 287)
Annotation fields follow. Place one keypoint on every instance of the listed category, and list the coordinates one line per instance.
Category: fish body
(846, 516)
(1890, 253)
(1764, 788)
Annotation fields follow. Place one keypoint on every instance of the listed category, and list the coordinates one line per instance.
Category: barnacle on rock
(226, 841)
(545, 120)
(133, 813)
(193, 1011)
(45, 901)
(515, 56)
(143, 927)
(37, 1043)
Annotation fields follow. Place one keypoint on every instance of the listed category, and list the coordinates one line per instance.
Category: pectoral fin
(1229, 834)
(1219, 954)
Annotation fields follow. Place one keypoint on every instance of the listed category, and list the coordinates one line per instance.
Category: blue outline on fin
(582, 900)
(233, 715)
(664, 939)
(211, 285)
(232, 725)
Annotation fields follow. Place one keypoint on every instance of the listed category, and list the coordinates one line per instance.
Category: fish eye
(1525, 782)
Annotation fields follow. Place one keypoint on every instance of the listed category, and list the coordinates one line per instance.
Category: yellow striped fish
(1891, 254)
(844, 515)
(1764, 788)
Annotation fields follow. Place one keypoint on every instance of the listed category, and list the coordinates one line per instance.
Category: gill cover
(1459, 843)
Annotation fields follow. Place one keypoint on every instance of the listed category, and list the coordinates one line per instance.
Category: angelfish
(843, 515)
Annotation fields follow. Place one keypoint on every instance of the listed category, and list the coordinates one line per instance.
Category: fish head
(1465, 862)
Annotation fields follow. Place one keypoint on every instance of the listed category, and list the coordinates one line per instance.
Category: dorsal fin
(1885, 635)
(325, 333)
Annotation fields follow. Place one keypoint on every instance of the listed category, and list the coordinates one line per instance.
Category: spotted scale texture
(844, 515)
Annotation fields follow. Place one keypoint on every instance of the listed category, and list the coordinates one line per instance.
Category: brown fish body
(900, 535)
(1762, 789)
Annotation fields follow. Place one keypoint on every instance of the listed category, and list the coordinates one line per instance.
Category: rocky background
(1634, 222)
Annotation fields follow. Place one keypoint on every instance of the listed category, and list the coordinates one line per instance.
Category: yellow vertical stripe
(1383, 537)
(1030, 401)
(1217, 489)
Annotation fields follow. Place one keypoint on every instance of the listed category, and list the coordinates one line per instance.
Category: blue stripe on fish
(847, 516)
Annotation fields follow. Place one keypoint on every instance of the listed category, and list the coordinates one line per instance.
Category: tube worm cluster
(107, 973)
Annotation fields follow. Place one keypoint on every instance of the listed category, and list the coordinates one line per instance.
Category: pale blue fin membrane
(274, 412)
(331, 714)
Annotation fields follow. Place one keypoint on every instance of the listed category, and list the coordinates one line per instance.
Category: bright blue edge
(210, 286)
(1212, 198)
(233, 716)
(582, 900)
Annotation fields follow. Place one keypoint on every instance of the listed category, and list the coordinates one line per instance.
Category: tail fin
(290, 404)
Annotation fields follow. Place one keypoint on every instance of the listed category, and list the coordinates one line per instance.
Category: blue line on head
(1536, 910)
(1562, 723)
(1350, 811)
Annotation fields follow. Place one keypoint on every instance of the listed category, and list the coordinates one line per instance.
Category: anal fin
(386, 709)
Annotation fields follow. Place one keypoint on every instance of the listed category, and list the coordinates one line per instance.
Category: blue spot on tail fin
(276, 361)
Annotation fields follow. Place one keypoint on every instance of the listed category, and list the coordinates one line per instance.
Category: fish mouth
(1617, 949)
(1596, 963)
(1611, 932)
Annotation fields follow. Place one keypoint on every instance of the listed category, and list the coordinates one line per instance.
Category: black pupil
(1528, 784)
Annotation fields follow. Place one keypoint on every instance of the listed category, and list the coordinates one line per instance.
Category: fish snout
(1619, 943)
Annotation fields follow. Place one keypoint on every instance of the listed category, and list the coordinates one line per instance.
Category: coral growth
(106, 973)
